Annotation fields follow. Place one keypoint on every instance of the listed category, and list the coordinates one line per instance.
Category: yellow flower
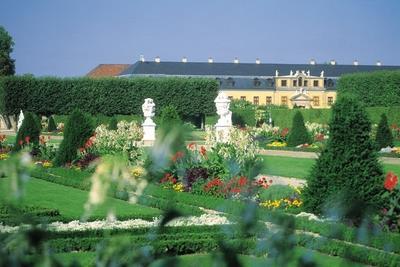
(137, 171)
(47, 164)
(277, 144)
(178, 187)
(4, 156)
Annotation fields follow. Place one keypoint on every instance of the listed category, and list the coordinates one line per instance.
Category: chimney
(355, 62)
(141, 58)
(379, 63)
(210, 60)
(157, 59)
(184, 59)
(312, 62)
(258, 61)
(333, 62)
(236, 60)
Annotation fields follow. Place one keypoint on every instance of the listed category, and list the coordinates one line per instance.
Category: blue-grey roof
(244, 69)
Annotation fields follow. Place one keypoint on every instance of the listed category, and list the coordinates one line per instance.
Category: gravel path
(312, 155)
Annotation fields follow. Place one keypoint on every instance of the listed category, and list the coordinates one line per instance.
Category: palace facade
(303, 85)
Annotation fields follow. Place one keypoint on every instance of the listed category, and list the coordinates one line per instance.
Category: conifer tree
(28, 132)
(384, 137)
(51, 125)
(347, 178)
(298, 134)
(113, 125)
(78, 129)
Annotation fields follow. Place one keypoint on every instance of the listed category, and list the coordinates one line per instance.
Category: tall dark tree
(384, 137)
(28, 133)
(347, 178)
(7, 64)
(298, 134)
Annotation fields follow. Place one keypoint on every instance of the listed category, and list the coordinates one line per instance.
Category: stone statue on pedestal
(224, 123)
(20, 119)
(149, 127)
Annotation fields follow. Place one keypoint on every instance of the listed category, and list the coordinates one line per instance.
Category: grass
(70, 201)
(11, 139)
(300, 167)
(200, 260)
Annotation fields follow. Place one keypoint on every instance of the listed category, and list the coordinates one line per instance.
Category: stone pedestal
(149, 132)
(222, 132)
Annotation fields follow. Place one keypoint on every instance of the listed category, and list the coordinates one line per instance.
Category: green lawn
(70, 201)
(200, 260)
(11, 139)
(300, 167)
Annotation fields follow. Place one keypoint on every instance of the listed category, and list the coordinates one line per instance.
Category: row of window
(299, 83)
(284, 100)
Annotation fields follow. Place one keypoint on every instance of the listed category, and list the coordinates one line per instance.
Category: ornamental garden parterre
(86, 189)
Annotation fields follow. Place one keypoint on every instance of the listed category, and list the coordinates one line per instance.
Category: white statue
(276, 73)
(224, 123)
(222, 104)
(148, 109)
(322, 74)
(149, 127)
(291, 73)
(20, 119)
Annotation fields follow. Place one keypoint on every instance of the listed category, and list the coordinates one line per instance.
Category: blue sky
(70, 37)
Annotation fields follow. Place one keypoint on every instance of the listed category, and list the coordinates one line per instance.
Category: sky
(71, 37)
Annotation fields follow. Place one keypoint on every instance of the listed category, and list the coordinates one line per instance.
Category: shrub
(243, 113)
(77, 131)
(298, 133)
(169, 116)
(59, 96)
(51, 126)
(347, 177)
(113, 124)
(366, 85)
(28, 132)
(384, 136)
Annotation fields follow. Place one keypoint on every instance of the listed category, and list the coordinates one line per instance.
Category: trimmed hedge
(108, 96)
(283, 117)
(380, 88)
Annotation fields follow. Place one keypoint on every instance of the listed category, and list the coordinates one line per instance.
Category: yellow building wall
(277, 96)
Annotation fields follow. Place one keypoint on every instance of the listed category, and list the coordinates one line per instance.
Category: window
(300, 81)
(330, 100)
(268, 100)
(256, 82)
(283, 100)
(256, 100)
(316, 101)
(230, 82)
(305, 83)
(230, 97)
(294, 83)
(242, 98)
(316, 83)
(283, 83)
(329, 83)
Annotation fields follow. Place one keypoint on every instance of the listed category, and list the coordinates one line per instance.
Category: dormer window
(294, 83)
(270, 82)
(300, 81)
(219, 81)
(256, 82)
(230, 82)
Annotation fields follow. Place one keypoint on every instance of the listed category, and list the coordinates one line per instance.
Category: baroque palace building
(303, 85)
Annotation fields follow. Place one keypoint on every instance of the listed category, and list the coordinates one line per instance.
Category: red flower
(20, 142)
(203, 150)
(178, 155)
(391, 181)
(191, 146)
(242, 181)
(81, 149)
(284, 132)
(27, 139)
(270, 181)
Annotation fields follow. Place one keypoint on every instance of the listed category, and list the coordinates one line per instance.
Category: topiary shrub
(51, 125)
(113, 124)
(28, 132)
(169, 117)
(384, 137)
(77, 130)
(347, 178)
(298, 134)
